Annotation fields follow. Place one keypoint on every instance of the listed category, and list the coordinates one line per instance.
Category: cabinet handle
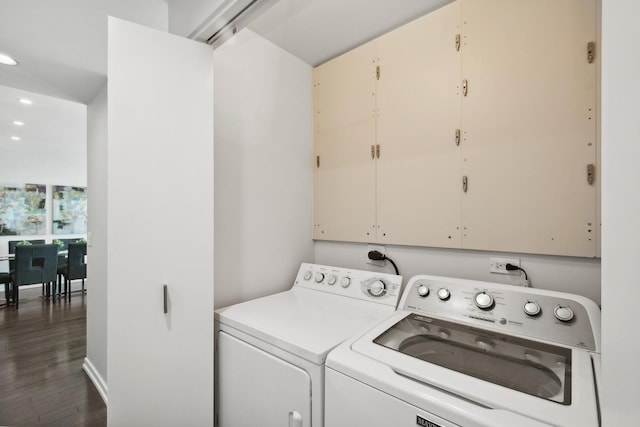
(464, 87)
(378, 151)
(457, 42)
(373, 152)
(317, 161)
(295, 419)
(591, 174)
(465, 183)
(164, 297)
(457, 136)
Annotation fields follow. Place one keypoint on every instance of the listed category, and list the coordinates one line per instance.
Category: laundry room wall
(263, 174)
(566, 274)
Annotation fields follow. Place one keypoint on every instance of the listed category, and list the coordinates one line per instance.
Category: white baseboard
(96, 379)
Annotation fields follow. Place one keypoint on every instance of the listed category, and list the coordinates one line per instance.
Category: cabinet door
(418, 95)
(529, 126)
(344, 132)
(160, 228)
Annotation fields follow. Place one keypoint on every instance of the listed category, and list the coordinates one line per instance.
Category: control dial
(319, 277)
(307, 275)
(484, 300)
(444, 294)
(345, 282)
(423, 291)
(377, 288)
(563, 313)
(332, 280)
(531, 308)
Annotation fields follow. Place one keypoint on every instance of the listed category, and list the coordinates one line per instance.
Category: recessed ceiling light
(7, 60)
(25, 101)
(15, 138)
(18, 123)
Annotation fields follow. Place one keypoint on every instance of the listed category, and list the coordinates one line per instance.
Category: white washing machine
(468, 353)
(271, 351)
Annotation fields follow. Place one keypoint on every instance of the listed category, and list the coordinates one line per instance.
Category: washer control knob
(423, 291)
(484, 300)
(444, 294)
(332, 280)
(563, 313)
(307, 275)
(319, 277)
(345, 282)
(377, 288)
(531, 308)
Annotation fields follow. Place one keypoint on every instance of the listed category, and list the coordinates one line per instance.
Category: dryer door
(257, 388)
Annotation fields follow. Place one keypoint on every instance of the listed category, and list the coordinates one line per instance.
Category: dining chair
(12, 250)
(76, 267)
(62, 258)
(5, 278)
(34, 264)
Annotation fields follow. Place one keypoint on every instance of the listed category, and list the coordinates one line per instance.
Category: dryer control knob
(377, 288)
(345, 282)
(319, 277)
(484, 300)
(423, 291)
(531, 308)
(307, 275)
(332, 280)
(444, 294)
(564, 314)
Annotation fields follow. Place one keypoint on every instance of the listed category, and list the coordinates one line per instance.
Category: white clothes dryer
(271, 351)
(468, 353)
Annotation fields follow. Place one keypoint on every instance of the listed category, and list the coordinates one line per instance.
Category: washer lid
(304, 322)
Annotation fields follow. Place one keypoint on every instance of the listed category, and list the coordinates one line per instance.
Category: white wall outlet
(499, 265)
(379, 248)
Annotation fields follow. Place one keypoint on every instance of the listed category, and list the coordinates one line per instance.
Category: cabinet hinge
(317, 161)
(591, 173)
(465, 184)
(457, 42)
(377, 72)
(378, 151)
(457, 136)
(464, 87)
(591, 52)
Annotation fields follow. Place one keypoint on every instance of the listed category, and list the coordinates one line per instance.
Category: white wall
(620, 212)
(186, 15)
(575, 275)
(96, 359)
(263, 174)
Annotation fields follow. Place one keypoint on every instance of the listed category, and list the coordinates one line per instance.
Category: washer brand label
(425, 423)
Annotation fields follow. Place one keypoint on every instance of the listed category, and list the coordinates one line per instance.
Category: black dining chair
(34, 264)
(12, 250)
(62, 258)
(76, 267)
(5, 278)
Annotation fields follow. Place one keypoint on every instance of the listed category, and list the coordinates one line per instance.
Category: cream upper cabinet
(418, 112)
(520, 92)
(344, 134)
(529, 126)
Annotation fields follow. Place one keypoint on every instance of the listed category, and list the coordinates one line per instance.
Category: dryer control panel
(364, 285)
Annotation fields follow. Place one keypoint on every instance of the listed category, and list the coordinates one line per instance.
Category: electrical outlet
(499, 265)
(379, 248)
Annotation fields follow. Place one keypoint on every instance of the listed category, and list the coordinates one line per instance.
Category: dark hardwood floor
(42, 347)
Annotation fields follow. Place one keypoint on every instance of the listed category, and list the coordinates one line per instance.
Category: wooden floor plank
(42, 348)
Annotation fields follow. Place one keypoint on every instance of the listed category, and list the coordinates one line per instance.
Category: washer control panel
(365, 285)
(563, 318)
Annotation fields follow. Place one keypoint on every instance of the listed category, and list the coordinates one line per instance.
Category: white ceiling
(318, 30)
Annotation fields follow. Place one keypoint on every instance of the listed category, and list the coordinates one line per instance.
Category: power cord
(511, 267)
(379, 256)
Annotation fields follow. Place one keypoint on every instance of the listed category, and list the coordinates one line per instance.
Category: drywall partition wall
(565, 274)
(263, 143)
(620, 213)
(96, 359)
